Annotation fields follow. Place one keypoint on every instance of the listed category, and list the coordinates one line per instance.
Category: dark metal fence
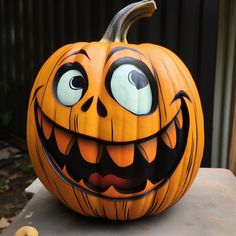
(31, 30)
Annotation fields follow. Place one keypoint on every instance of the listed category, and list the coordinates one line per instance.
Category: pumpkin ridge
(58, 160)
(128, 101)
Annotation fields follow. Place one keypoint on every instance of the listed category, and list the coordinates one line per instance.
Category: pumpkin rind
(107, 132)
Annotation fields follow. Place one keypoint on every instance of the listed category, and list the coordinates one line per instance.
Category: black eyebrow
(81, 51)
(117, 49)
(35, 92)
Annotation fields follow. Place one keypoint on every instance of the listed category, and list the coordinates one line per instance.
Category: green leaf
(4, 184)
(25, 165)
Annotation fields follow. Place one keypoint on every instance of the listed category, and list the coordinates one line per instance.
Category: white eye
(70, 87)
(131, 89)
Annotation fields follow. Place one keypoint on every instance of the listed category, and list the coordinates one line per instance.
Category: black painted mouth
(100, 176)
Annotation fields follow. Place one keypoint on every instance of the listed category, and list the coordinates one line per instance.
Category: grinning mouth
(125, 166)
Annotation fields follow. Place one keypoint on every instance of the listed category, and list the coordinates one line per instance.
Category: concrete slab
(34, 187)
(209, 208)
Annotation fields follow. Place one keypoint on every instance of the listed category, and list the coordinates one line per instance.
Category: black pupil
(137, 79)
(77, 82)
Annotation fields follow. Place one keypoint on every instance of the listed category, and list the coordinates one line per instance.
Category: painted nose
(101, 109)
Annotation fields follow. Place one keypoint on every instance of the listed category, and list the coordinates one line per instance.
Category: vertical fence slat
(85, 21)
(172, 24)
(30, 31)
(189, 31)
(39, 42)
(207, 64)
(3, 68)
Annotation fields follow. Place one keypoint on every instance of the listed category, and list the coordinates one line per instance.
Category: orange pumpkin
(114, 129)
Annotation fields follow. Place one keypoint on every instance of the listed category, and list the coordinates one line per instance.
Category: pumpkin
(26, 231)
(114, 129)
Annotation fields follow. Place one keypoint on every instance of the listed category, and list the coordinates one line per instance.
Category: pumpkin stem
(120, 24)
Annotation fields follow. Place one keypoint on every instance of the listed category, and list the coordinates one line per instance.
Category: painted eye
(131, 89)
(70, 87)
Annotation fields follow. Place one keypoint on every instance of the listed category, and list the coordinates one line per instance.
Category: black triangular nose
(87, 104)
(101, 109)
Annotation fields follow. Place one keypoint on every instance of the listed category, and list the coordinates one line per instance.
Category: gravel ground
(16, 174)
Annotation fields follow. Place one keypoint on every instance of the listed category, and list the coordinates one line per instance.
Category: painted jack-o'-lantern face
(115, 129)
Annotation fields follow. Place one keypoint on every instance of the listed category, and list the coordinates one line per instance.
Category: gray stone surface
(34, 187)
(209, 208)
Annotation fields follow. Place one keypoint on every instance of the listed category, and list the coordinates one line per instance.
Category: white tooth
(148, 149)
(169, 137)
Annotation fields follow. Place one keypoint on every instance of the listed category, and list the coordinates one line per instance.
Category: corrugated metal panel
(224, 85)
(31, 30)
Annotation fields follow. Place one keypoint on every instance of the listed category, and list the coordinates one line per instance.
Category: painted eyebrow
(117, 49)
(81, 51)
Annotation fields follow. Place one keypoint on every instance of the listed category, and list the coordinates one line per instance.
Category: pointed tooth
(67, 175)
(169, 137)
(81, 183)
(64, 140)
(111, 191)
(122, 155)
(148, 149)
(91, 151)
(179, 119)
(149, 184)
(47, 127)
(39, 116)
